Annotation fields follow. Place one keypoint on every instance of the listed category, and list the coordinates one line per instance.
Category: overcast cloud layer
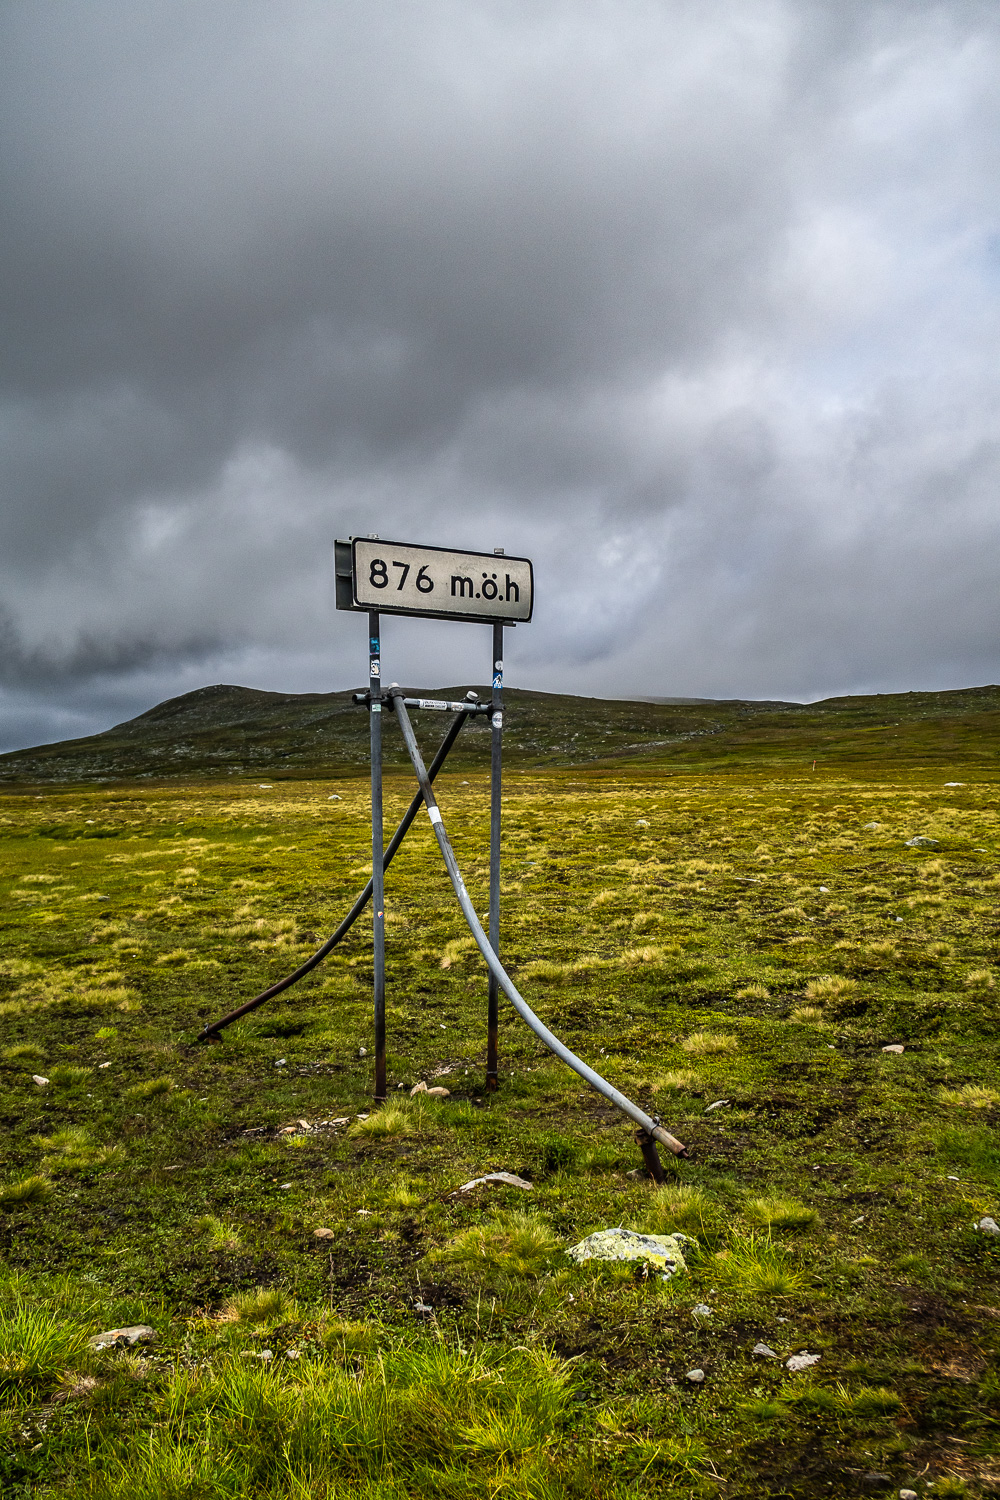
(696, 305)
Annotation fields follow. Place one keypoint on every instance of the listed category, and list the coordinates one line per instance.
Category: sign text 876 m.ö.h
(398, 578)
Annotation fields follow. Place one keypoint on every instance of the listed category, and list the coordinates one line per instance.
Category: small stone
(920, 842)
(418, 1088)
(422, 1307)
(284, 1185)
(37, 1078)
(912, 1494)
(137, 1333)
(702, 1310)
(439, 1092)
(279, 1062)
(323, 1233)
(801, 1361)
(293, 1353)
(824, 890)
(894, 1047)
(765, 1351)
(696, 1377)
(870, 827)
(988, 1225)
(265, 1354)
(719, 1104)
(104, 1065)
(362, 1051)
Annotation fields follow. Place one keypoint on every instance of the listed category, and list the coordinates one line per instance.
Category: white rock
(138, 1333)
(362, 1051)
(801, 1361)
(920, 842)
(870, 827)
(954, 783)
(719, 1104)
(37, 1078)
(912, 1494)
(323, 1233)
(824, 890)
(695, 1376)
(765, 1351)
(439, 1092)
(893, 1047)
(334, 798)
(701, 1310)
(424, 1307)
(418, 1088)
(988, 1225)
(662, 1251)
(507, 1178)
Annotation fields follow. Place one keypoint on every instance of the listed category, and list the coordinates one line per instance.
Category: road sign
(441, 583)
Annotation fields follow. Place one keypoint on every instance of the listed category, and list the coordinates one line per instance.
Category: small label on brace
(374, 668)
(376, 708)
(434, 813)
(497, 721)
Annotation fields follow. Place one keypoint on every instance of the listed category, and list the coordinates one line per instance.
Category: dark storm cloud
(696, 305)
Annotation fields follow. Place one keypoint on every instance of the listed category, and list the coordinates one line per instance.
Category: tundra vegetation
(754, 934)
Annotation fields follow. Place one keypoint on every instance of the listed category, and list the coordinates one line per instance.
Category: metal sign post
(439, 583)
(377, 577)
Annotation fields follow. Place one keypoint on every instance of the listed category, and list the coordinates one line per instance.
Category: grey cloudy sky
(695, 304)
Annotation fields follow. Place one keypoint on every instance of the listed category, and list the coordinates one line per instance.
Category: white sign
(397, 578)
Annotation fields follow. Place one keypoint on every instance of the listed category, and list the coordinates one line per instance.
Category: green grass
(666, 919)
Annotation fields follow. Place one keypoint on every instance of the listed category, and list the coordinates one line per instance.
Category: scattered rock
(265, 1354)
(719, 1104)
(279, 1062)
(988, 1225)
(695, 1376)
(912, 1494)
(801, 1361)
(439, 1092)
(870, 827)
(362, 1051)
(947, 783)
(422, 1307)
(702, 1310)
(660, 1250)
(37, 1078)
(922, 843)
(323, 1234)
(334, 798)
(138, 1333)
(104, 1065)
(765, 1351)
(507, 1178)
(894, 1047)
(418, 1088)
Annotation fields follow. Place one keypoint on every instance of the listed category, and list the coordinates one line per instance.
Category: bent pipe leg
(352, 916)
(601, 1085)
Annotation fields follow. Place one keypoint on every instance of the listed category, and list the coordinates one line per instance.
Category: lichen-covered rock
(664, 1251)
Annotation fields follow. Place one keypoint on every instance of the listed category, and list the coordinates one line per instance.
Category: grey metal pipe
(601, 1085)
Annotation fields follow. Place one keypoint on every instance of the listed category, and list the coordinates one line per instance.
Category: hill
(229, 730)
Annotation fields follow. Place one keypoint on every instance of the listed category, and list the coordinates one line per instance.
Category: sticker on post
(497, 721)
(434, 813)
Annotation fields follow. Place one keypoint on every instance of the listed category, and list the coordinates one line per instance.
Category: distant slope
(227, 730)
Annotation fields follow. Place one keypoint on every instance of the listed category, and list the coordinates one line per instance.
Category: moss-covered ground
(753, 936)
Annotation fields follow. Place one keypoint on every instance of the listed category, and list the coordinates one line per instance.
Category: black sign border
(347, 598)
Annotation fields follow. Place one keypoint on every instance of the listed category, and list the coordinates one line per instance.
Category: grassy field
(748, 934)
